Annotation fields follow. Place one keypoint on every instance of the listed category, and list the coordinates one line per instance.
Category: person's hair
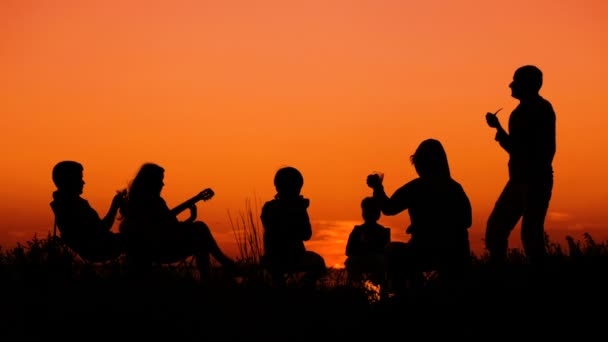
(288, 180)
(142, 186)
(370, 208)
(148, 174)
(531, 75)
(431, 160)
(66, 171)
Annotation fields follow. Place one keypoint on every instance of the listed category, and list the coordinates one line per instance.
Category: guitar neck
(190, 202)
(185, 205)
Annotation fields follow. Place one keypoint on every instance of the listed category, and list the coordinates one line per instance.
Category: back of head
(147, 180)
(531, 76)
(288, 181)
(65, 173)
(370, 209)
(430, 160)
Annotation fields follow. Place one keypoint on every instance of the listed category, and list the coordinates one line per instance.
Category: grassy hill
(50, 294)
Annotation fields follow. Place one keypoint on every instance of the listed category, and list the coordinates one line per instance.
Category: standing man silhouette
(530, 144)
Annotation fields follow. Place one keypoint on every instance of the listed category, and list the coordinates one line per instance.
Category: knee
(201, 229)
(320, 262)
(200, 225)
(317, 261)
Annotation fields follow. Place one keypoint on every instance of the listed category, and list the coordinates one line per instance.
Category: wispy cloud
(329, 239)
(556, 216)
(332, 230)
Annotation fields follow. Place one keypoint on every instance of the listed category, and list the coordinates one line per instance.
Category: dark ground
(564, 300)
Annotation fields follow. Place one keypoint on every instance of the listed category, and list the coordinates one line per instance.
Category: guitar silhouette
(204, 195)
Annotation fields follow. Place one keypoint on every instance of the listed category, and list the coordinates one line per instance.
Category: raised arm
(502, 136)
(393, 205)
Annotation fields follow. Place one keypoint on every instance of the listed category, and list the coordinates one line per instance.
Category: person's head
(430, 160)
(370, 209)
(288, 182)
(527, 82)
(68, 177)
(147, 182)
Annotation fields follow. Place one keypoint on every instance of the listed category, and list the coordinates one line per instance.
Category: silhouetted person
(440, 216)
(530, 144)
(153, 232)
(286, 227)
(80, 226)
(367, 243)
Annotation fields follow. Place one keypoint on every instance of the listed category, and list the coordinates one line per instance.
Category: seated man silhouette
(286, 227)
(366, 245)
(80, 226)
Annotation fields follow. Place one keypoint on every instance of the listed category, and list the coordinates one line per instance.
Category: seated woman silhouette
(440, 215)
(80, 226)
(153, 233)
(367, 243)
(286, 226)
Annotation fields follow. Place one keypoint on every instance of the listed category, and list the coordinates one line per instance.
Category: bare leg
(315, 268)
(210, 246)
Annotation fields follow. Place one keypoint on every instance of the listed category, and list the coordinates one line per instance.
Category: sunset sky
(223, 93)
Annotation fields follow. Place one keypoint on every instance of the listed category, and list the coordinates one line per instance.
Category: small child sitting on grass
(286, 227)
(366, 245)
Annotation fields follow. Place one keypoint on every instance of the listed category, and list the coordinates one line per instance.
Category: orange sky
(223, 93)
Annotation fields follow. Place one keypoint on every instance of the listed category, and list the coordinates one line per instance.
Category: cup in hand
(380, 175)
(375, 179)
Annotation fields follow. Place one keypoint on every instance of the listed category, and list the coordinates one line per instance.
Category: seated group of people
(440, 216)
(149, 230)
(439, 209)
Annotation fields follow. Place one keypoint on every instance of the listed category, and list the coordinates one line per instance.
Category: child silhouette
(286, 227)
(367, 243)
